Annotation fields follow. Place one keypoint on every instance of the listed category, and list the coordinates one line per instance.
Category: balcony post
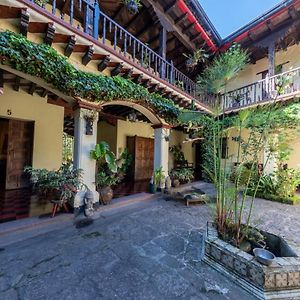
(271, 58)
(161, 147)
(162, 49)
(96, 20)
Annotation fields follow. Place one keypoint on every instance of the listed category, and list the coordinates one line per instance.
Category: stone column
(161, 147)
(83, 144)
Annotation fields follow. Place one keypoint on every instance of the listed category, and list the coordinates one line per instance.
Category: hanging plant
(199, 56)
(42, 61)
(41, 2)
(132, 5)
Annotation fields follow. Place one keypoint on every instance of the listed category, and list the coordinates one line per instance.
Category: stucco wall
(293, 162)
(176, 138)
(48, 124)
(108, 133)
(249, 74)
(131, 129)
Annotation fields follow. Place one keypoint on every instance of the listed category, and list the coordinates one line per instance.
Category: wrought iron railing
(85, 15)
(283, 85)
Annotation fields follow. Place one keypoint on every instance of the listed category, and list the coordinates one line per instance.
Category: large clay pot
(175, 183)
(106, 194)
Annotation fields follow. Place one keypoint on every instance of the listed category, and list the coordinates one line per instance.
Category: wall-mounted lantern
(90, 116)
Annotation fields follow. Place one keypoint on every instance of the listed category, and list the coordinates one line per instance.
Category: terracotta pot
(106, 194)
(176, 183)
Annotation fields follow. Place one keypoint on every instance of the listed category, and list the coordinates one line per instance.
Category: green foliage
(42, 61)
(223, 68)
(102, 154)
(41, 2)
(182, 174)
(289, 200)
(124, 162)
(64, 181)
(159, 176)
(177, 153)
(267, 185)
(103, 179)
(107, 165)
(287, 180)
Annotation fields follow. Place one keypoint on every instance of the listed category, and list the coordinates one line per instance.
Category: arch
(152, 117)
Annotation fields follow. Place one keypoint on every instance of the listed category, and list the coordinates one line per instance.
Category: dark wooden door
(142, 150)
(19, 154)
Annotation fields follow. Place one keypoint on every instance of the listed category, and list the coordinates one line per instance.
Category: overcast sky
(229, 15)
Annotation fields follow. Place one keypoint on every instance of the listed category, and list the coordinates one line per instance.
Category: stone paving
(148, 251)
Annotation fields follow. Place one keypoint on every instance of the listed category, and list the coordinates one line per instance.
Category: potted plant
(41, 2)
(159, 177)
(199, 56)
(123, 164)
(152, 186)
(107, 171)
(104, 182)
(59, 186)
(132, 5)
(175, 177)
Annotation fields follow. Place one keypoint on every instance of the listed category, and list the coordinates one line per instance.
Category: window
(224, 148)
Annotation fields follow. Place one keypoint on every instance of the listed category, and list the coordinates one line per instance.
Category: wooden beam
(24, 21)
(16, 85)
(270, 25)
(138, 78)
(49, 34)
(44, 93)
(181, 19)
(135, 18)
(70, 46)
(154, 88)
(170, 7)
(186, 29)
(117, 70)
(128, 73)
(88, 55)
(32, 88)
(146, 83)
(104, 63)
(1, 79)
(292, 12)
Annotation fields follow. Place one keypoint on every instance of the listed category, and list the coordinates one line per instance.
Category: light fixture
(132, 117)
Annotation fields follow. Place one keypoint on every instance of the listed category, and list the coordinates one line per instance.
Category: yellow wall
(176, 138)
(126, 128)
(48, 124)
(293, 162)
(108, 133)
(249, 74)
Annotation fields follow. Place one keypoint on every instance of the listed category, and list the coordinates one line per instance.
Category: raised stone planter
(281, 280)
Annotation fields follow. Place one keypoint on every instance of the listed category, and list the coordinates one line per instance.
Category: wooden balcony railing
(281, 86)
(85, 15)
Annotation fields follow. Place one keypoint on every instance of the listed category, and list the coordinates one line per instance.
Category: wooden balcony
(280, 87)
(71, 21)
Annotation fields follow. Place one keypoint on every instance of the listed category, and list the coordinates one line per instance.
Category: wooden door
(19, 154)
(142, 150)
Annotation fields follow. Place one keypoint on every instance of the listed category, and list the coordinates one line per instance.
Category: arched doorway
(129, 127)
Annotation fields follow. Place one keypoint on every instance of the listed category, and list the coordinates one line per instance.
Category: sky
(229, 15)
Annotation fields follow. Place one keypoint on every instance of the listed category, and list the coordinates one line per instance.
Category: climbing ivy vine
(42, 61)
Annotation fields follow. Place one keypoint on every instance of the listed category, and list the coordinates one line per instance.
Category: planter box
(281, 280)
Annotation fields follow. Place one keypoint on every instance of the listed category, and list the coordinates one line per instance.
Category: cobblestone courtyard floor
(150, 250)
